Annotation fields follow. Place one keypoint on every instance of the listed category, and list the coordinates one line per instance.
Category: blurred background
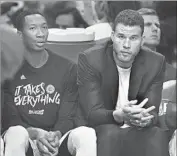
(83, 14)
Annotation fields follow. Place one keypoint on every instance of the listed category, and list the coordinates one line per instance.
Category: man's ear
(112, 36)
(142, 41)
(19, 33)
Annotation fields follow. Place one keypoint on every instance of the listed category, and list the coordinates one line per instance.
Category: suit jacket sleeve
(154, 94)
(89, 82)
(68, 106)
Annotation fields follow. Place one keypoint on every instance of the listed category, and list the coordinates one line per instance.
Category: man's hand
(54, 138)
(144, 118)
(48, 145)
(133, 114)
(36, 133)
(122, 114)
(45, 148)
(40, 136)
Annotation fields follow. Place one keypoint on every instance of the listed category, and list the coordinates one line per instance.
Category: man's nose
(126, 44)
(40, 33)
(154, 27)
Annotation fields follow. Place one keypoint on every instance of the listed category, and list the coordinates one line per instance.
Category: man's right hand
(49, 144)
(45, 147)
(132, 111)
(123, 114)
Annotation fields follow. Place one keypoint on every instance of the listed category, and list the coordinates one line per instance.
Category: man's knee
(2, 147)
(156, 135)
(82, 138)
(109, 131)
(84, 133)
(157, 132)
(17, 134)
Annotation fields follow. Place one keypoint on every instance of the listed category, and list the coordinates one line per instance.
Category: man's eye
(45, 27)
(157, 25)
(147, 24)
(32, 28)
(120, 36)
(133, 38)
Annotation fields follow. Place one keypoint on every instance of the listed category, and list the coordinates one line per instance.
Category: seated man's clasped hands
(133, 114)
(47, 142)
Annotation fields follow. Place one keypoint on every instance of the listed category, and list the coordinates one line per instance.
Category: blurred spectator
(69, 18)
(51, 9)
(166, 11)
(152, 35)
(103, 22)
(152, 30)
(87, 11)
(167, 14)
(8, 11)
(102, 11)
(168, 43)
(11, 59)
(6, 6)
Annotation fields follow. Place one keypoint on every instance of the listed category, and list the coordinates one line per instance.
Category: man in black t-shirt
(40, 102)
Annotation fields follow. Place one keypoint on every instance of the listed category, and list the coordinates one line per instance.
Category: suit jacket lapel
(114, 73)
(136, 76)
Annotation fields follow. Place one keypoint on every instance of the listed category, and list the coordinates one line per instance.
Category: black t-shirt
(43, 97)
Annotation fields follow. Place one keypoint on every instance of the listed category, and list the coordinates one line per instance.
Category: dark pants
(115, 141)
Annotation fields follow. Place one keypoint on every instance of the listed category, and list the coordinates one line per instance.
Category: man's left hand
(54, 138)
(145, 119)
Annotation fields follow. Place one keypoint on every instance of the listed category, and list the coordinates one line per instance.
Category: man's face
(35, 32)
(152, 30)
(127, 41)
(65, 21)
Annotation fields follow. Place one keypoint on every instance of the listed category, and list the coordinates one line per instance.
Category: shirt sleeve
(68, 106)
(11, 116)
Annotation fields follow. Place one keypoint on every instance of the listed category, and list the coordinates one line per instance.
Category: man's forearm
(101, 116)
(36, 133)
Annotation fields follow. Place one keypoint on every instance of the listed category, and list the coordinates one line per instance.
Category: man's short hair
(129, 18)
(147, 11)
(21, 18)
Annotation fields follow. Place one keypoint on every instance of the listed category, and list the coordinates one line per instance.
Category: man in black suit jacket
(120, 87)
